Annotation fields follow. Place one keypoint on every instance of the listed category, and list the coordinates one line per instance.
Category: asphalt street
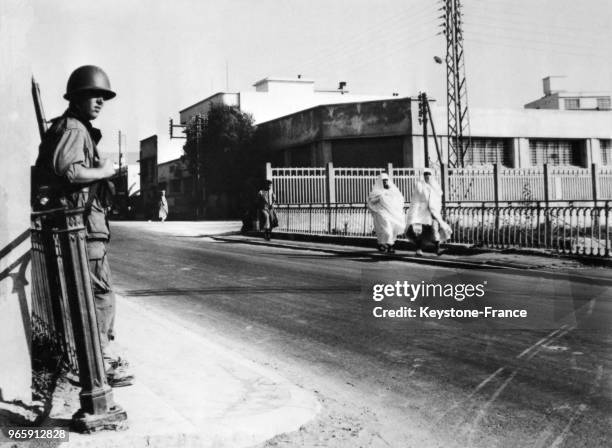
(541, 381)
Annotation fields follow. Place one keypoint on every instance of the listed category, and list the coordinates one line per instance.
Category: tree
(219, 154)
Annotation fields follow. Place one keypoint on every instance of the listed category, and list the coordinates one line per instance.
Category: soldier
(78, 177)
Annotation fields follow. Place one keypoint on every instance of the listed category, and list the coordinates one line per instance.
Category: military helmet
(89, 78)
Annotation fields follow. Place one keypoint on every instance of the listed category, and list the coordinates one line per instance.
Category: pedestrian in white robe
(424, 220)
(386, 203)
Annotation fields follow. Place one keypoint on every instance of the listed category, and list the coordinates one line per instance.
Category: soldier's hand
(107, 167)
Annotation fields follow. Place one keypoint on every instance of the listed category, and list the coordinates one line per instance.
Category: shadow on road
(340, 289)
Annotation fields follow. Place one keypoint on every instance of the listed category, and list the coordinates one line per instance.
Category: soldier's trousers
(104, 296)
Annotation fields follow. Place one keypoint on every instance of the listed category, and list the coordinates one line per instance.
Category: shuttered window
(555, 152)
(572, 103)
(606, 151)
(487, 151)
(603, 103)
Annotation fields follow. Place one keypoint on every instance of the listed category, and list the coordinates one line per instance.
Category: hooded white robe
(426, 205)
(387, 208)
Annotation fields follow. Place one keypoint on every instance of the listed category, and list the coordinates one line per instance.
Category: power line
(365, 38)
(478, 26)
(523, 47)
(396, 45)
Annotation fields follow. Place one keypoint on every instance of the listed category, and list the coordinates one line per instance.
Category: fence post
(607, 212)
(547, 223)
(546, 185)
(595, 182)
(98, 409)
(390, 170)
(330, 179)
(309, 218)
(496, 182)
(444, 180)
(268, 170)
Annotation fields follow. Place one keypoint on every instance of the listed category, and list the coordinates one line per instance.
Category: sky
(162, 56)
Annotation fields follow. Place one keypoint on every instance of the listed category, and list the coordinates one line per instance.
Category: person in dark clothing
(265, 205)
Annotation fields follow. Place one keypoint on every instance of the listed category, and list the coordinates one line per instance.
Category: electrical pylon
(459, 139)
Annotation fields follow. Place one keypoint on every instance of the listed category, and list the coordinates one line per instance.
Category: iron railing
(493, 183)
(51, 319)
(572, 230)
(64, 314)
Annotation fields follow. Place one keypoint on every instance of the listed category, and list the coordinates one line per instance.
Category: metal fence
(562, 229)
(64, 312)
(51, 318)
(491, 183)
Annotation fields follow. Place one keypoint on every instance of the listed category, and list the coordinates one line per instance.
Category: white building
(556, 96)
(275, 97)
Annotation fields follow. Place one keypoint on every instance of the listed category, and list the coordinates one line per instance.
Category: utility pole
(423, 121)
(459, 139)
(120, 155)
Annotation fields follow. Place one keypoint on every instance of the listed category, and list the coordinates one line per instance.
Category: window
(606, 151)
(572, 103)
(603, 103)
(485, 151)
(175, 186)
(556, 152)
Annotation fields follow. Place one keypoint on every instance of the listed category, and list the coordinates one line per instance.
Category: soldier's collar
(95, 133)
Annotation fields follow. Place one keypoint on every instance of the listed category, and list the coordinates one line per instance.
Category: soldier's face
(90, 104)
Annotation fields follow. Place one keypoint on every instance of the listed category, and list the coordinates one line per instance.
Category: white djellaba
(426, 205)
(387, 208)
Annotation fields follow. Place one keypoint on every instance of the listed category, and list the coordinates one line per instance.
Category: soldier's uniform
(71, 142)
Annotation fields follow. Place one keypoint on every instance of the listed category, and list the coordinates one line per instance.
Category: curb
(420, 260)
(451, 249)
(527, 269)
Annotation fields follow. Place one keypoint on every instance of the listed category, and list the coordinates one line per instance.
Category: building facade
(175, 178)
(557, 97)
(368, 134)
(275, 97)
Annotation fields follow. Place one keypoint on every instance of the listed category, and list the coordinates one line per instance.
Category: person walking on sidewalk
(386, 203)
(265, 206)
(77, 176)
(424, 219)
(163, 206)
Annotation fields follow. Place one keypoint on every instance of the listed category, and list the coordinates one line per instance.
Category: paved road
(544, 381)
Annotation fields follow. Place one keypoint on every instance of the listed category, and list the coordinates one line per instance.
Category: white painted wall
(18, 150)
(266, 106)
(533, 123)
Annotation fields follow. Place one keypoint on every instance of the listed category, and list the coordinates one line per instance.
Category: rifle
(38, 107)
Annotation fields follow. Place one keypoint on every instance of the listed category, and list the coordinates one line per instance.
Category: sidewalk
(454, 256)
(189, 392)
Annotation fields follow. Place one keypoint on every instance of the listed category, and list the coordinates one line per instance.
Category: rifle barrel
(38, 107)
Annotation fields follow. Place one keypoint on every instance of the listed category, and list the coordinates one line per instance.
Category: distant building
(557, 97)
(274, 97)
(298, 128)
(373, 133)
(174, 177)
